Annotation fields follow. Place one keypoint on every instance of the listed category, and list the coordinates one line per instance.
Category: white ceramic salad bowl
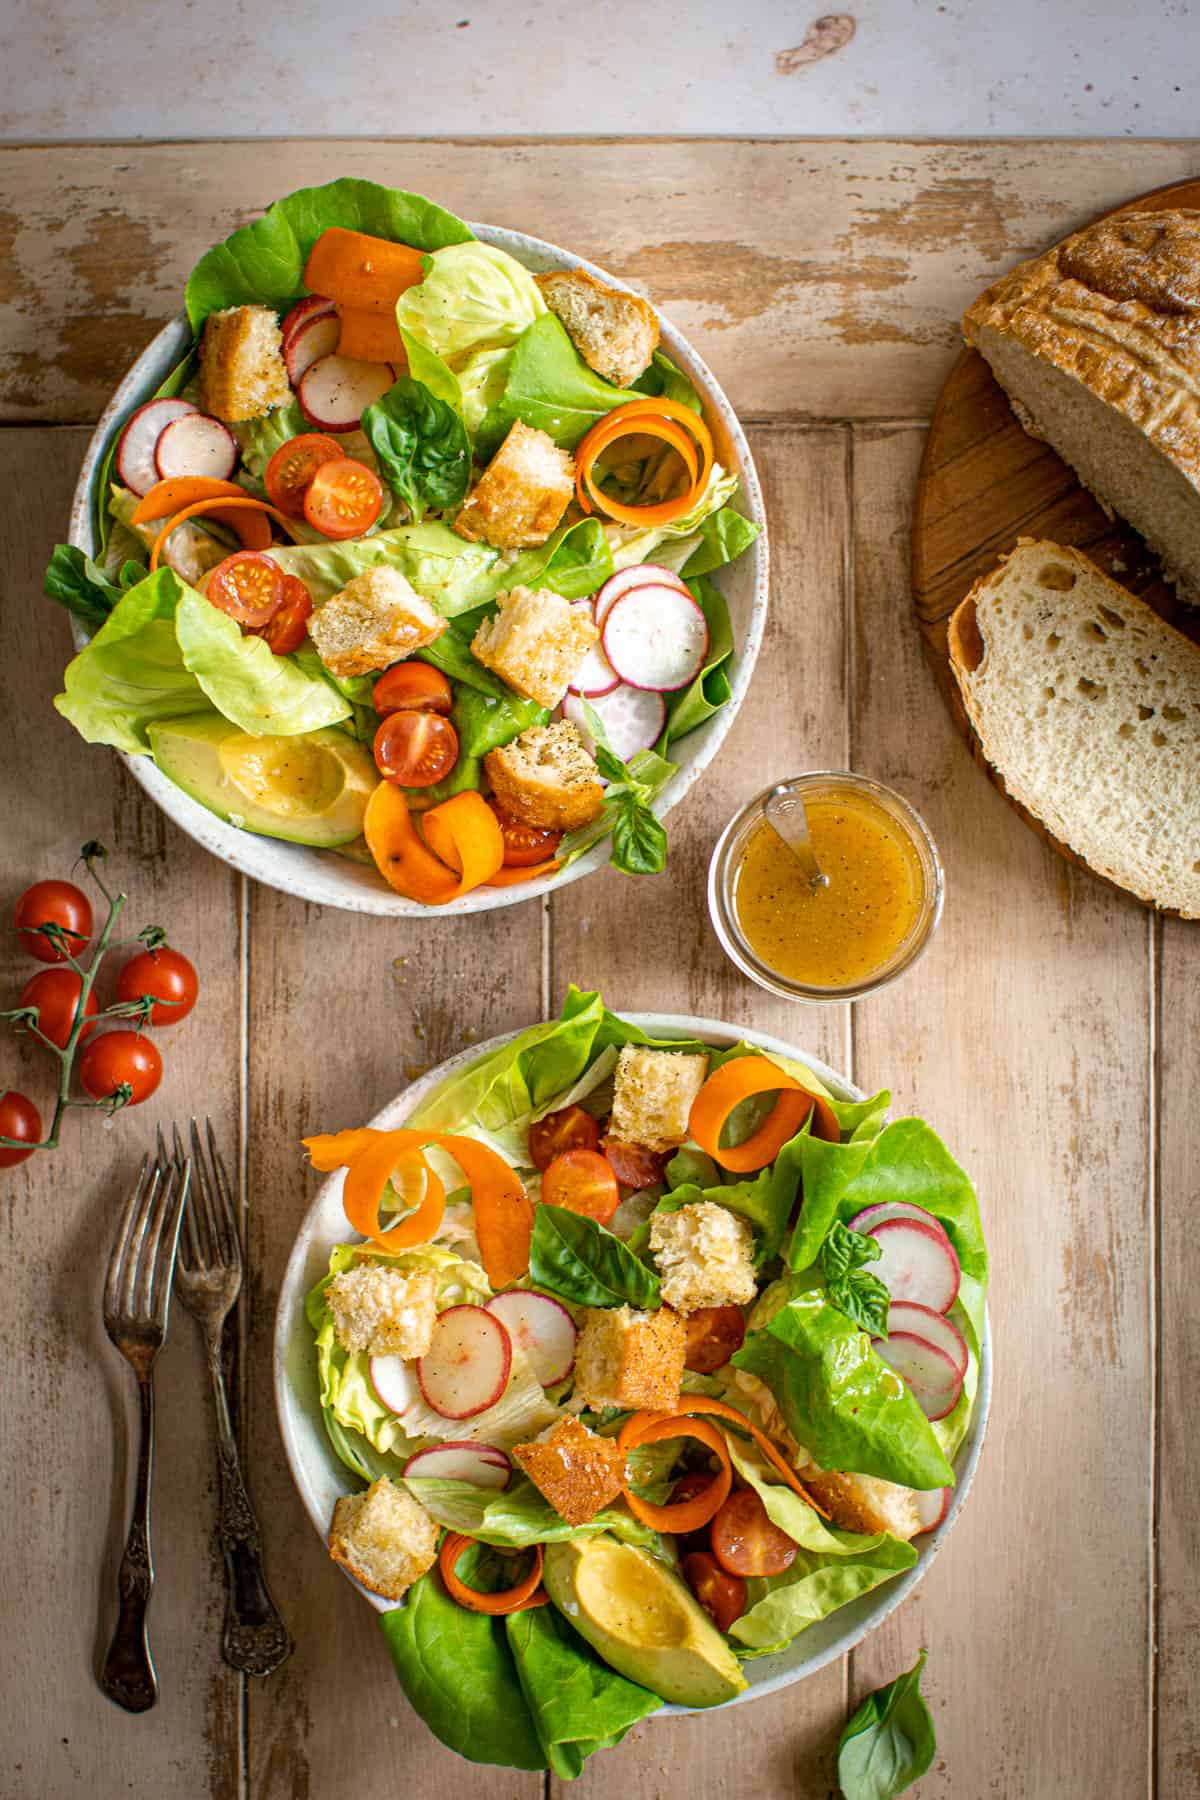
(321, 1479)
(323, 877)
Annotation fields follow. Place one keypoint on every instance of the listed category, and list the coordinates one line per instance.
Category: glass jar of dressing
(843, 940)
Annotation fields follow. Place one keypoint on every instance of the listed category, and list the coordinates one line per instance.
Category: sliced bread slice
(1087, 705)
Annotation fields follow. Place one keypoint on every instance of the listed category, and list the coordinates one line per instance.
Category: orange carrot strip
(527, 1593)
(361, 271)
(512, 877)
(650, 418)
(698, 1404)
(736, 1081)
(463, 849)
(678, 1515)
(251, 537)
(371, 337)
(368, 1175)
(167, 497)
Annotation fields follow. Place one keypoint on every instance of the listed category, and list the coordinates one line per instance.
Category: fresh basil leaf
(577, 1259)
(851, 1287)
(80, 585)
(890, 1741)
(609, 765)
(422, 446)
(639, 839)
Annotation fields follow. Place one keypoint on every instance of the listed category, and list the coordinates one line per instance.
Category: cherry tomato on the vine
(570, 1128)
(118, 1057)
(19, 1118)
(55, 993)
(168, 976)
(53, 903)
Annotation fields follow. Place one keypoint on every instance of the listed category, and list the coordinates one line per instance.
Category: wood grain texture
(821, 279)
(1008, 1039)
(66, 1470)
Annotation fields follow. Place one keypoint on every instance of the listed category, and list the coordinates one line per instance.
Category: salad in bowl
(401, 545)
(650, 1372)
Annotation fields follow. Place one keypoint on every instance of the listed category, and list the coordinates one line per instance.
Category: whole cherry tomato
(415, 749)
(570, 1128)
(53, 903)
(412, 687)
(55, 993)
(744, 1540)
(19, 1118)
(713, 1334)
(723, 1596)
(117, 1057)
(582, 1181)
(168, 976)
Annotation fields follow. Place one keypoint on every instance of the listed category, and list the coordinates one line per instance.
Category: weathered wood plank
(1024, 1039)
(346, 1011)
(650, 945)
(68, 1397)
(819, 278)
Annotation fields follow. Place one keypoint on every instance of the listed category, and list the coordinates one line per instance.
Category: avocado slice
(641, 1619)
(312, 789)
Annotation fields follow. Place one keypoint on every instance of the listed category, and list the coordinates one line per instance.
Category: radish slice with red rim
(314, 338)
(595, 675)
(917, 1262)
(633, 718)
(480, 1464)
(336, 390)
(395, 1382)
(656, 637)
(640, 575)
(466, 1367)
(922, 1321)
(313, 306)
(542, 1328)
(935, 1382)
(932, 1506)
(135, 465)
(196, 445)
(870, 1216)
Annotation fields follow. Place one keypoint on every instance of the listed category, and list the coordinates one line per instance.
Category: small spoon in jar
(785, 814)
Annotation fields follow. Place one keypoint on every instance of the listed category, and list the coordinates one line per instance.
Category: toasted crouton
(863, 1502)
(705, 1255)
(242, 373)
(535, 642)
(652, 1096)
(377, 619)
(522, 494)
(627, 1358)
(576, 1470)
(545, 778)
(384, 1538)
(383, 1310)
(615, 333)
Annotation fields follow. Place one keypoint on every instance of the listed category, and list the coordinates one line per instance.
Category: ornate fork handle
(128, 1673)
(254, 1638)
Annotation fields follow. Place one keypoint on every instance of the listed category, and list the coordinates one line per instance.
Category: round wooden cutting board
(984, 483)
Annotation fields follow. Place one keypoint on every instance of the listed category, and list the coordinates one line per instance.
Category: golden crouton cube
(535, 642)
(242, 372)
(522, 494)
(577, 1471)
(545, 778)
(864, 1502)
(384, 1538)
(653, 1093)
(705, 1256)
(615, 333)
(630, 1359)
(383, 1310)
(378, 619)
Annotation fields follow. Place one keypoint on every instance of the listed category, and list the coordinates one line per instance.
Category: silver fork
(137, 1297)
(208, 1276)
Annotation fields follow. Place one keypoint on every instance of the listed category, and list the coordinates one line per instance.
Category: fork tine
(190, 1254)
(126, 1296)
(229, 1218)
(158, 1261)
(202, 1200)
(178, 1150)
(116, 1260)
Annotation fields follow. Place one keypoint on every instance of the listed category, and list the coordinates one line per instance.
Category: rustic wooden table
(1050, 1033)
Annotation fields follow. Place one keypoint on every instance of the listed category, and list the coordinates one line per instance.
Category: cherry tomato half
(524, 845)
(55, 993)
(713, 1334)
(287, 628)
(415, 749)
(412, 687)
(343, 499)
(633, 1166)
(745, 1542)
(293, 466)
(53, 903)
(168, 975)
(570, 1128)
(120, 1056)
(697, 1481)
(582, 1181)
(248, 586)
(19, 1118)
(722, 1596)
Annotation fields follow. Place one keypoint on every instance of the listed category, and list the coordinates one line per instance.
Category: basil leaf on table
(890, 1741)
(422, 446)
(577, 1259)
(851, 1287)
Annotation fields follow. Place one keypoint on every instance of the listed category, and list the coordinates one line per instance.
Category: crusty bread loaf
(1097, 344)
(1087, 704)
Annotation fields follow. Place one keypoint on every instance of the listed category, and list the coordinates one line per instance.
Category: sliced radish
(917, 1262)
(313, 306)
(196, 445)
(395, 1382)
(313, 338)
(871, 1216)
(922, 1321)
(478, 1463)
(640, 575)
(595, 675)
(633, 718)
(542, 1328)
(935, 1382)
(465, 1369)
(656, 637)
(135, 449)
(932, 1506)
(335, 391)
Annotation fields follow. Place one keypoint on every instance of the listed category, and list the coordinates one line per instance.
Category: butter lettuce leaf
(452, 574)
(550, 386)
(578, 1704)
(473, 295)
(132, 673)
(518, 1515)
(259, 692)
(813, 1587)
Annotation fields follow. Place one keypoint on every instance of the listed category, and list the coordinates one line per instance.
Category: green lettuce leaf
(785, 1508)
(721, 539)
(259, 692)
(473, 296)
(80, 585)
(578, 1704)
(664, 378)
(132, 673)
(889, 1742)
(574, 561)
(813, 1587)
(518, 1515)
(263, 263)
(710, 690)
(577, 1259)
(452, 574)
(483, 721)
(422, 446)
(675, 543)
(482, 379)
(550, 386)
